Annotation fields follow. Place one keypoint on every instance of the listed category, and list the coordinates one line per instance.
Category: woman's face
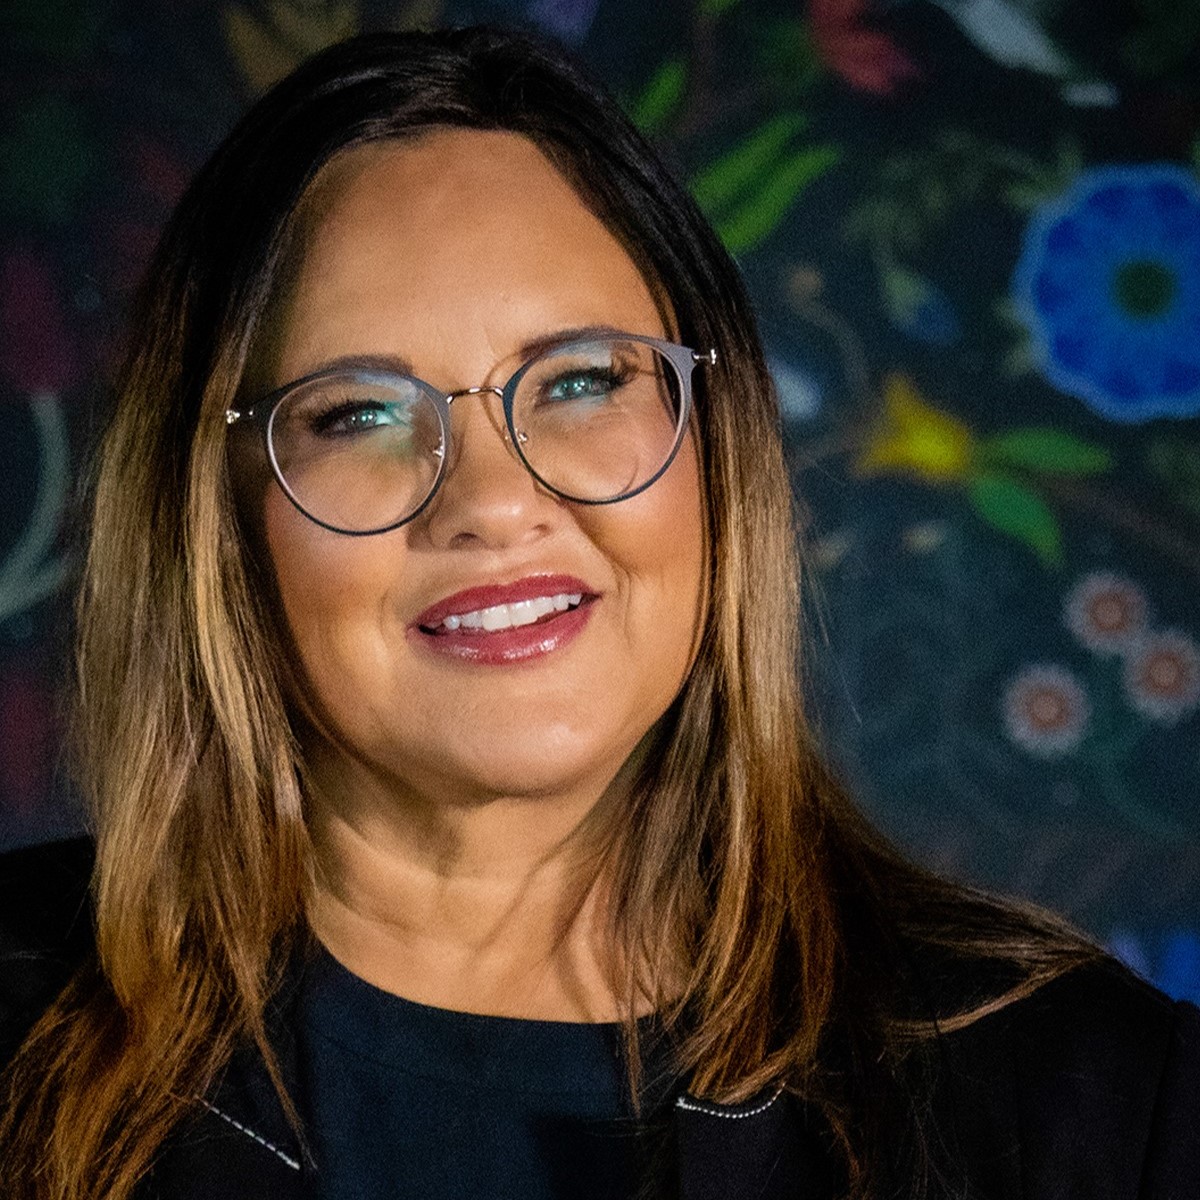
(457, 253)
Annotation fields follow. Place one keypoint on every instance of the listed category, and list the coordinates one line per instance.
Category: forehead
(457, 236)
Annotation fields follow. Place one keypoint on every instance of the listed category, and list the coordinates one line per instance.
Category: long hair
(803, 935)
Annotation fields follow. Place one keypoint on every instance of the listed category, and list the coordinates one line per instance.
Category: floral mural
(1109, 285)
(972, 231)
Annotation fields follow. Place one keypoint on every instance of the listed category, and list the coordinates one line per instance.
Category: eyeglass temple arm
(708, 357)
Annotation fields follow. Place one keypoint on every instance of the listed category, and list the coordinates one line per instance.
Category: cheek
(657, 544)
(301, 575)
(333, 591)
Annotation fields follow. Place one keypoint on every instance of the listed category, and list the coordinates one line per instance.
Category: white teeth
(496, 618)
(525, 612)
(509, 616)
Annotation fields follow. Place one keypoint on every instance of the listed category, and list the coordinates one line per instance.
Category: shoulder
(45, 930)
(1087, 1087)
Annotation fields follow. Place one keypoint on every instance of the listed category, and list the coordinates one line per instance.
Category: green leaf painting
(727, 178)
(752, 222)
(660, 97)
(788, 56)
(1016, 509)
(749, 190)
(1046, 451)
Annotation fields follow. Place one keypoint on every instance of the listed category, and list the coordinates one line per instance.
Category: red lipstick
(464, 624)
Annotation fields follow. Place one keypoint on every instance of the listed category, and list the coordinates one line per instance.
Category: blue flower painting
(1170, 961)
(1108, 283)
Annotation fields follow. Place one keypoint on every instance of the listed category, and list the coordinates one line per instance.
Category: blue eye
(591, 383)
(360, 416)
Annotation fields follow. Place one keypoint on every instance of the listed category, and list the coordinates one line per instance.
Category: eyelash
(610, 377)
(322, 423)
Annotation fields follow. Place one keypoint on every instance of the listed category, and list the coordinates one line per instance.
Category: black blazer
(1088, 1090)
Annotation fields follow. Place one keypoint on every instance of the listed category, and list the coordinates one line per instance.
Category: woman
(457, 829)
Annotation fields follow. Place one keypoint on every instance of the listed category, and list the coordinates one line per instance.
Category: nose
(487, 497)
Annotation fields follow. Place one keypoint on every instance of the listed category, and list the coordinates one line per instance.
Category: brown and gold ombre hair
(814, 955)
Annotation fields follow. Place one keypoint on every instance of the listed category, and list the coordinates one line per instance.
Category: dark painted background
(972, 228)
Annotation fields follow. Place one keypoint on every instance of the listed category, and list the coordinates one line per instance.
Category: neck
(494, 905)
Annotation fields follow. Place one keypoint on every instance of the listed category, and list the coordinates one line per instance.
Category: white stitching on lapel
(690, 1105)
(262, 1141)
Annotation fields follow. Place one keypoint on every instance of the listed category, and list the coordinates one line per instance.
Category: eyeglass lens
(361, 451)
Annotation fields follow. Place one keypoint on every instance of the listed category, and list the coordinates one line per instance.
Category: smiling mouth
(537, 610)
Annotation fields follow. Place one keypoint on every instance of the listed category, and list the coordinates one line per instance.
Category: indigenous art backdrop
(972, 229)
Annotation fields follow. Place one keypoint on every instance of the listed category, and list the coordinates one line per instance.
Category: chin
(516, 767)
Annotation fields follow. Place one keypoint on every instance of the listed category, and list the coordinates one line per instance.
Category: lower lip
(504, 647)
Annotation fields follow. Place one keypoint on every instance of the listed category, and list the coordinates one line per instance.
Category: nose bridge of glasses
(474, 391)
(493, 414)
(497, 420)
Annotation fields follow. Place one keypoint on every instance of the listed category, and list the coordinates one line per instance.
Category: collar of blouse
(239, 1143)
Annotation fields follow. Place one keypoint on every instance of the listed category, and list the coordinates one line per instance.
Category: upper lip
(488, 595)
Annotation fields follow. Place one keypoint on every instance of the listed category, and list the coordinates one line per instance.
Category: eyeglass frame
(683, 360)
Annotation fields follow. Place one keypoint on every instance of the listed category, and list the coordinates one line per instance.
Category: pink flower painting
(1106, 612)
(1046, 710)
(1162, 676)
(866, 59)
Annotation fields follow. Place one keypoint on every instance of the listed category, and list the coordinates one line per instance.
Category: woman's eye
(355, 416)
(591, 384)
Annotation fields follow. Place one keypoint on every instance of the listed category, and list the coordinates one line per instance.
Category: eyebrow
(399, 365)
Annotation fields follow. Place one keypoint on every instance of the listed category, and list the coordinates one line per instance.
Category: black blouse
(408, 1101)
(1087, 1090)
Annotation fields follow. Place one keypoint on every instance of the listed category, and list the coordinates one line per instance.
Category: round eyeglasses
(361, 450)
